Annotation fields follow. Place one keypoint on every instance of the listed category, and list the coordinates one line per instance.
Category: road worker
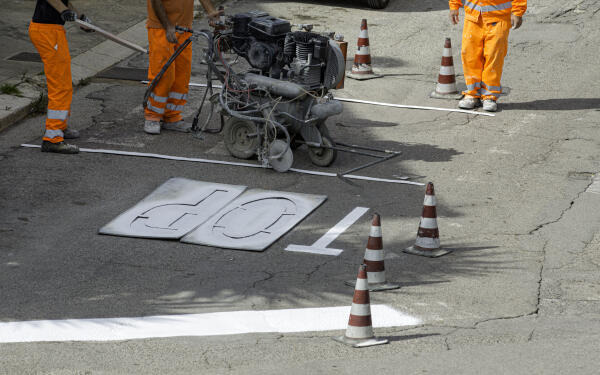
(166, 101)
(484, 46)
(47, 34)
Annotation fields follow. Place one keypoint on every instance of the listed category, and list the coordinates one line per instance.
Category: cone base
(360, 343)
(451, 96)
(435, 253)
(376, 287)
(363, 77)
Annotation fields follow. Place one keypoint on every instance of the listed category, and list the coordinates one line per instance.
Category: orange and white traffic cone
(446, 85)
(359, 333)
(374, 259)
(362, 69)
(428, 235)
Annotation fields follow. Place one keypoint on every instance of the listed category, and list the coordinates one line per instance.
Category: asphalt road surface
(518, 202)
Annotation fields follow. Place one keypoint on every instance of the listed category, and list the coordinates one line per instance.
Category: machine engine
(308, 59)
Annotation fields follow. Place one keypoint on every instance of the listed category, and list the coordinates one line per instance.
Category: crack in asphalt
(541, 226)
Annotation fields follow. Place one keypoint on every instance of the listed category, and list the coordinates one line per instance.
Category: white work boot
(152, 127)
(469, 102)
(179, 126)
(490, 105)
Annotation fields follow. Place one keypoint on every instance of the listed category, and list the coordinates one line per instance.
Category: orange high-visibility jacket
(490, 10)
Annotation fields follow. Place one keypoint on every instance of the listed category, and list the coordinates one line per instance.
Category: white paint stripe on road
(198, 160)
(595, 186)
(341, 227)
(414, 106)
(313, 250)
(211, 324)
(379, 104)
(320, 247)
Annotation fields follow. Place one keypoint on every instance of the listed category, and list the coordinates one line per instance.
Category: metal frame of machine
(283, 100)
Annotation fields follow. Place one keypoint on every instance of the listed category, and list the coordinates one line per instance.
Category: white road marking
(320, 247)
(192, 84)
(211, 324)
(595, 186)
(198, 160)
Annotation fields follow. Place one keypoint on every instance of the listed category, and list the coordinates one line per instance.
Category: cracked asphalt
(518, 202)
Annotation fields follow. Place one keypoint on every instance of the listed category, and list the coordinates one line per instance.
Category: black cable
(165, 67)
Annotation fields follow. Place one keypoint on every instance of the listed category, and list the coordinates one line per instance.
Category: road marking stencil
(210, 214)
(210, 324)
(320, 247)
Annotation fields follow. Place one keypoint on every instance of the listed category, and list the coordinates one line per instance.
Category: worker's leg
(51, 43)
(472, 56)
(160, 50)
(178, 93)
(495, 48)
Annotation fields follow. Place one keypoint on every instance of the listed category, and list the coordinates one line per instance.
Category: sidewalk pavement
(22, 83)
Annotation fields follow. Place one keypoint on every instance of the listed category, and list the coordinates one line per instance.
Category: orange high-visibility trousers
(51, 42)
(170, 94)
(484, 46)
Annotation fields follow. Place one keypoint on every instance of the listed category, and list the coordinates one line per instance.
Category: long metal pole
(112, 37)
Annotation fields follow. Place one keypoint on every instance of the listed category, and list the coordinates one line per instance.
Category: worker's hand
(84, 18)
(68, 15)
(171, 35)
(515, 21)
(454, 16)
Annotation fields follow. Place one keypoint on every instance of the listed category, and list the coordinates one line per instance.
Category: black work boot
(59, 148)
(69, 133)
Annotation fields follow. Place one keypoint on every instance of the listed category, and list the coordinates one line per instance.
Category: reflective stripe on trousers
(53, 133)
(170, 94)
(484, 47)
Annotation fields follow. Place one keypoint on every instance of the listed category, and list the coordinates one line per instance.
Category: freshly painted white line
(210, 161)
(378, 103)
(320, 247)
(413, 106)
(595, 186)
(341, 227)
(313, 250)
(211, 324)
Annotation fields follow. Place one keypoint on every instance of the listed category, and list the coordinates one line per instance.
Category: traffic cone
(374, 259)
(362, 69)
(446, 86)
(359, 333)
(428, 236)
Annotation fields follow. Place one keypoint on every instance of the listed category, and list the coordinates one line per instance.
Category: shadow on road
(571, 104)
(408, 337)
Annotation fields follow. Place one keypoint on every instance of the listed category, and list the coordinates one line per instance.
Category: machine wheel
(321, 156)
(237, 140)
(378, 4)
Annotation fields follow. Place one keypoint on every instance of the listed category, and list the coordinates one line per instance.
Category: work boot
(69, 133)
(469, 102)
(152, 127)
(59, 148)
(490, 105)
(179, 126)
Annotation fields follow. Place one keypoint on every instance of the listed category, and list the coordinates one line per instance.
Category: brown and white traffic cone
(362, 68)
(374, 259)
(428, 235)
(359, 333)
(446, 85)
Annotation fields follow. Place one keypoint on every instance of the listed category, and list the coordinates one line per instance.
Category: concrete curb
(15, 108)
